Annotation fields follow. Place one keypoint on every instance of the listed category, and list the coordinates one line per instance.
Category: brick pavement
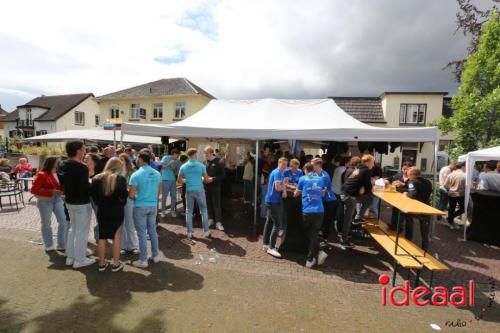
(239, 255)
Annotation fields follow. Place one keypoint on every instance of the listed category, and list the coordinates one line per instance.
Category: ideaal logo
(459, 295)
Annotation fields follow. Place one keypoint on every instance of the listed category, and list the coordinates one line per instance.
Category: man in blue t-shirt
(293, 173)
(328, 200)
(275, 191)
(312, 188)
(169, 169)
(193, 173)
(144, 190)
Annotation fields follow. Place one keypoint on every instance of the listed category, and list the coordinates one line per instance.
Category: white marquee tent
(281, 119)
(470, 160)
(97, 135)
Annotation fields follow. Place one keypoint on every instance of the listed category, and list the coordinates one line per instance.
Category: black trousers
(274, 223)
(328, 218)
(312, 224)
(213, 193)
(424, 224)
(454, 201)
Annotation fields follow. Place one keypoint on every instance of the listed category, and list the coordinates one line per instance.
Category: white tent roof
(93, 135)
(312, 119)
(470, 160)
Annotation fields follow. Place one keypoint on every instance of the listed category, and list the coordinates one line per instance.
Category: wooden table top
(407, 205)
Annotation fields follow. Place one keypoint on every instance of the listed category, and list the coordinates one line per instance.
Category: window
(142, 113)
(28, 114)
(412, 114)
(79, 118)
(97, 120)
(135, 110)
(115, 111)
(395, 163)
(423, 164)
(41, 132)
(180, 110)
(157, 110)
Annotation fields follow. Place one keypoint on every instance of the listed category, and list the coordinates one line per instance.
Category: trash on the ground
(199, 260)
(36, 242)
(435, 327)
(212, 260)
(212, 256)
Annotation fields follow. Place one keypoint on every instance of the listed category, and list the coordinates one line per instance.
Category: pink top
(26, 167)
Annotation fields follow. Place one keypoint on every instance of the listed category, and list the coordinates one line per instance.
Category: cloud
(233, 49)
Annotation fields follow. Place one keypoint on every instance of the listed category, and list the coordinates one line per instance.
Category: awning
(96, 135)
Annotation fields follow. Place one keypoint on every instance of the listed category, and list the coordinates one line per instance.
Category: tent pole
(434, 173)
(121, 137)
(256, 193)
(468, 179)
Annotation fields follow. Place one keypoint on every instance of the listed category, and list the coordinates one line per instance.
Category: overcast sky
(233, 49)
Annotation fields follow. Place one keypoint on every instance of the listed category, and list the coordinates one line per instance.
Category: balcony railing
(25, 123)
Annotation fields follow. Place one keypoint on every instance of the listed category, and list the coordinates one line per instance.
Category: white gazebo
(470, 160)
(281, 119)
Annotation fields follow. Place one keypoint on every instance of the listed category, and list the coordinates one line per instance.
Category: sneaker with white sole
(265, 248)
(189, 235)
(69, 261)
(102, 268)
(346, 245)
(206, 234)
(274, 253)
(89, 252)
(210, 222)
(156, 259)
(116, 268)
(50, 248)
(84, 263)
(280, 233)
(174, 214)
(219, 226)
(136, 251)
(123, 251)
(140, 264)
(310, 264)
(322, 257)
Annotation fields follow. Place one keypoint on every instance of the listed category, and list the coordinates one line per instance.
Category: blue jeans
(200, 198)
(129, 239)
(443, 199)
(145, 223)
(168, 186)
(46, 208)
(374, 205)
(78, 234)
(248, 190)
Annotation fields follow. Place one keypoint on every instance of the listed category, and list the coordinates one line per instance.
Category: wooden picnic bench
(409, 255)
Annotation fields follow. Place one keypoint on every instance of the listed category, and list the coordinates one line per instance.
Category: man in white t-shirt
(443, 192)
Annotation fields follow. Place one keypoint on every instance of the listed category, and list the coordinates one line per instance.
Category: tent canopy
(311, 119)
(98, 135)
(470, 160)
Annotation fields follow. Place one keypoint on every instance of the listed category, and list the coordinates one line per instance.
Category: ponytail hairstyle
(128, 167)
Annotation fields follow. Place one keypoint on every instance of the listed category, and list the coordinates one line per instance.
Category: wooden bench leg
(394, 268)
(432, 277)
(417, 278)
(397, 232)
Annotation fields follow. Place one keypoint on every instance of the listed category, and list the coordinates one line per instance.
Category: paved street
(243, 290)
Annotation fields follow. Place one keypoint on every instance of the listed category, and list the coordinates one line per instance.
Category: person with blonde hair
(109, 192)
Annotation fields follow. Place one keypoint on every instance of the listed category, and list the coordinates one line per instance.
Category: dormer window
(412, 114)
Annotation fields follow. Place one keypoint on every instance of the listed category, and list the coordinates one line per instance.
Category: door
(410, 156)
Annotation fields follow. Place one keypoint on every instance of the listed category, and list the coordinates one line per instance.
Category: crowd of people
(122, 188)
(126, 190)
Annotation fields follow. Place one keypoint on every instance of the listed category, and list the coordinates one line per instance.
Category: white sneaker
(50, 248)
(219, 226)
(89, 252)
(122, 251)
(280, 233)
(85, 262)
(156, 259)
(206, 234)
(173, 213)
(265, 248)
(310, 264)
(140, 264)
(189, 235)
(69, 261)
(210, 222)
(322, 257)
(274, 253)
(162, 214)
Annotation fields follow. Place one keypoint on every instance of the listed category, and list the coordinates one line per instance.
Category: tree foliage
(470, 20)
(476, 121)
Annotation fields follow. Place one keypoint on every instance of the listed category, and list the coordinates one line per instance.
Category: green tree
(476, 121)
